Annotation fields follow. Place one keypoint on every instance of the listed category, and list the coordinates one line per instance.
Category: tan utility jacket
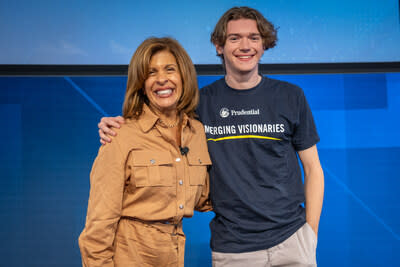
(142, 174)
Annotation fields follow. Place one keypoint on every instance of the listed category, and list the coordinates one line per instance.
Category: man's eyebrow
(248, 34)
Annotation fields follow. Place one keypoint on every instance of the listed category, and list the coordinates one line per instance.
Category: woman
(154, 172)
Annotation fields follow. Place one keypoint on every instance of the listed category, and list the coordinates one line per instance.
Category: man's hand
(105, 125)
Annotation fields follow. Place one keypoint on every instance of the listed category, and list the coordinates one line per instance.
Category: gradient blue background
(108, 32)
(49, 138)
(49, 141)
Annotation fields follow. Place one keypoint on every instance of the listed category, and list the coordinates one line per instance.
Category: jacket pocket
(152, 168)
(198, 164)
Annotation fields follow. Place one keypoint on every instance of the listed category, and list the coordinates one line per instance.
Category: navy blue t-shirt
(256, 183)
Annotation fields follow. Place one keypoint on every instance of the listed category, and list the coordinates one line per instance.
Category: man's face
(243, 47)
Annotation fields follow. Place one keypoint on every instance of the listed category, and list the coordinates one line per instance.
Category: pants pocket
(312, 233)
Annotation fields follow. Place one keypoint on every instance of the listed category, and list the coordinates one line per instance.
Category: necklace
(168, 125)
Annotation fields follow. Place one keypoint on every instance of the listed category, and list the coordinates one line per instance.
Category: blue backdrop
(108, 32)
(49, 140)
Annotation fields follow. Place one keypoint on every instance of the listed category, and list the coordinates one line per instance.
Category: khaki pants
(148, 244)
(299, 250)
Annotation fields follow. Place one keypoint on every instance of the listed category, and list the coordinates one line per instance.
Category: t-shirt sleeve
(305, 133)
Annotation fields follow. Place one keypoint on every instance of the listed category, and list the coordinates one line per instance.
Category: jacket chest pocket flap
(152, 168)
(198, 164)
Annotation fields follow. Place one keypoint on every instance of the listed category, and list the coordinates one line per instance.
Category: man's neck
(242, 81)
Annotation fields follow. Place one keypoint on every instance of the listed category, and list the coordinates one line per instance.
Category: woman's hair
(138, 73)
(267, 30)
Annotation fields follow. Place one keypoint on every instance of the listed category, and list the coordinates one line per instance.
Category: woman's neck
(169, 116)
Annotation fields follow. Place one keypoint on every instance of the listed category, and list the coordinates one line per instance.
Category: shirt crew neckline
(251, 90)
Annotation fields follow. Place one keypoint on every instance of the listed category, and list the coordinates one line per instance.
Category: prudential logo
(224, 112)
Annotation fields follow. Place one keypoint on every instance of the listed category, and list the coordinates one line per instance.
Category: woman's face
(163, 86)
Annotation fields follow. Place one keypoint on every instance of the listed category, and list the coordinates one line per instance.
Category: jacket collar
(148, 119)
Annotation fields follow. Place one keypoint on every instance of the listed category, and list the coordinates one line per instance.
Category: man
(255, 129)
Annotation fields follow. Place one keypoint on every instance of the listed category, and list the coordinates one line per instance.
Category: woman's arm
(104, 208)
(204, 203)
